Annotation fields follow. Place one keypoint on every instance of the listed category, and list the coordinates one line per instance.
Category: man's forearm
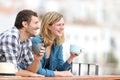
(34, 66)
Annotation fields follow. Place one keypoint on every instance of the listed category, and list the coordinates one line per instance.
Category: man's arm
(35, 64)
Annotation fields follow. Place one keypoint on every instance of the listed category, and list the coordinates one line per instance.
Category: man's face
(33, 27)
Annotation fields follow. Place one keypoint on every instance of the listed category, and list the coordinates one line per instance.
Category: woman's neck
(48, 50)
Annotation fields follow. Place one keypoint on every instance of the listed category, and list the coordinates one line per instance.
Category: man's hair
(24, 15)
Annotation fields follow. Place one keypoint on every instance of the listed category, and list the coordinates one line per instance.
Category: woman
(52, 36)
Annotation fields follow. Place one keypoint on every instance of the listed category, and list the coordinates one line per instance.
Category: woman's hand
(63, 74)
(72, 56)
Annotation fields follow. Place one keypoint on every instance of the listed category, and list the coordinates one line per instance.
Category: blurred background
(94, 25)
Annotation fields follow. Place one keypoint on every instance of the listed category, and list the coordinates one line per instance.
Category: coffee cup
(75, 49)
(36, 48)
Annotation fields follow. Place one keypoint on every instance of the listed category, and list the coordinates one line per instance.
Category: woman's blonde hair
(49, 19)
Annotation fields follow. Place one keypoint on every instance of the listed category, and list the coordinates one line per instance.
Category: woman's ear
(49, 27)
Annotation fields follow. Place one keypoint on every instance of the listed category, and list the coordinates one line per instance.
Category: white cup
(75, 49)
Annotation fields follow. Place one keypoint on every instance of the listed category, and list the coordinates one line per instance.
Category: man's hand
(37, 57)
(40, 55)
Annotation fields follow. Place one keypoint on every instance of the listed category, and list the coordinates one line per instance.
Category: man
(15, 44)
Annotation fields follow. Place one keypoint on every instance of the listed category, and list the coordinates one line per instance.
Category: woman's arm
(52, 73)
(61, 65)
(26, 73)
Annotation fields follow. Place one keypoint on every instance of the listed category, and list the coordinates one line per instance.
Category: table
(106, 77)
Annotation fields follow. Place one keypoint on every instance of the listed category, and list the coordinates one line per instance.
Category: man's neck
(23, 35)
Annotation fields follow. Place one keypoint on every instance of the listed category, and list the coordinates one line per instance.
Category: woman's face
(57, 29)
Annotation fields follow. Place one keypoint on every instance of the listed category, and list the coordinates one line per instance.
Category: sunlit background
(94, 25)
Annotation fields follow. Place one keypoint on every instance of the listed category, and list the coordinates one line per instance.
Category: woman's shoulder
(37, 39)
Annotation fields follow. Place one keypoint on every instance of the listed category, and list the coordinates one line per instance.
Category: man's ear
(25, 24)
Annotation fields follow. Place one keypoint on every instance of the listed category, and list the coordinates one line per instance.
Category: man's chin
(33, 35)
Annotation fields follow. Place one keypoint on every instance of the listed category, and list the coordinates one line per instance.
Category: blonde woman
(52, 36)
